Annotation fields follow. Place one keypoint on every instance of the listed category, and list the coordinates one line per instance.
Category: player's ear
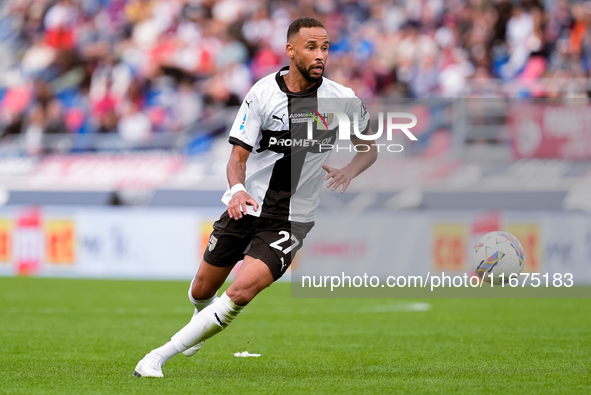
(289, 50)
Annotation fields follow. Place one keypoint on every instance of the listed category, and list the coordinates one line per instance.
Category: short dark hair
(304, 22)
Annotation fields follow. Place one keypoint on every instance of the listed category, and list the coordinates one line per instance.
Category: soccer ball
(498, 253)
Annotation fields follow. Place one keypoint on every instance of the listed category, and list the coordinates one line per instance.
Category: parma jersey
(283, 172)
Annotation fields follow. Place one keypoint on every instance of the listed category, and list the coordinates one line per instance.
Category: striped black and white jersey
(283, 172)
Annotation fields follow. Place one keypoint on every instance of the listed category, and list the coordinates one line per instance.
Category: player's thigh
(226, 247)
(208, 280)
(277, 246)
(229, 240)
(253, 277)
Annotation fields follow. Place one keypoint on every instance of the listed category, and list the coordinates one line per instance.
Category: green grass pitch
(86, 336)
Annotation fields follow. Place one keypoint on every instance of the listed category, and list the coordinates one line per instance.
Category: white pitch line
(397, 308)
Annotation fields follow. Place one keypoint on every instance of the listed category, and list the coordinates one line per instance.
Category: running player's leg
(253, 277)
(269, 254)
(203, 292)
(208, 280)
(226, 247)
(204, 287)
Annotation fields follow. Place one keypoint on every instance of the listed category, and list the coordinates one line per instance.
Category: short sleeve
(246, 127)
(356, 106)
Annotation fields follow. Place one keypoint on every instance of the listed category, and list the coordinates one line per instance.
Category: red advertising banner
(28, 241)
(551, 131)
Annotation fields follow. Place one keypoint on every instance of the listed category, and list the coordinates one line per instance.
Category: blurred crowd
(141, 67)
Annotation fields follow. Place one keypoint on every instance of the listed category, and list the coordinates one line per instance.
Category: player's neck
(295, 81)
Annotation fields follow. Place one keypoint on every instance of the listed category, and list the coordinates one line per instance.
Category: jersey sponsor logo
(299, 117)
(298, 142)
(212, 243)
(323, 121)
(291, 141)
(308, 115)
(279, 119)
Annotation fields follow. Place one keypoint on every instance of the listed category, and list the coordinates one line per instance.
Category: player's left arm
(361, 161)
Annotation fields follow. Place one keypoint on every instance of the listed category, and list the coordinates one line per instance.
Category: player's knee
(241, 295)
(202, 290)
(202, 294)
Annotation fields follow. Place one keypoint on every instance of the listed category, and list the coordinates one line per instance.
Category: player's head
(307, 47)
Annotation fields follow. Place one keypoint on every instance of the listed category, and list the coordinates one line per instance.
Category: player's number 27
(285, 237)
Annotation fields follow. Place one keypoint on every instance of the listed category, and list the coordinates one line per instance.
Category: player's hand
(238, 203)
(337, 178)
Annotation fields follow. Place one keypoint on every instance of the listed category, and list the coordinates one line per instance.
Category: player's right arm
(237, 176)
(244, 133)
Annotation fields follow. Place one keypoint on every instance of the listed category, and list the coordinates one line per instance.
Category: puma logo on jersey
(282, 264)
(279, 119)
(247, 103)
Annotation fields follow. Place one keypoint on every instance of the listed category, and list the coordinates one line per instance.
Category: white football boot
(150, 366)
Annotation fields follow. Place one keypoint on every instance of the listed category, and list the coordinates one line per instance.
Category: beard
(305, 71)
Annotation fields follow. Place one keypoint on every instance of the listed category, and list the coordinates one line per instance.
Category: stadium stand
(116, 96)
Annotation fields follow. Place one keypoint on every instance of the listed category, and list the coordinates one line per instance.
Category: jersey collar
(281, 82)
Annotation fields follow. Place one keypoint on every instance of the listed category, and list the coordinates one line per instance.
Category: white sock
(165, 352)
(208, 322)
(200, 304)
(168, 350)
